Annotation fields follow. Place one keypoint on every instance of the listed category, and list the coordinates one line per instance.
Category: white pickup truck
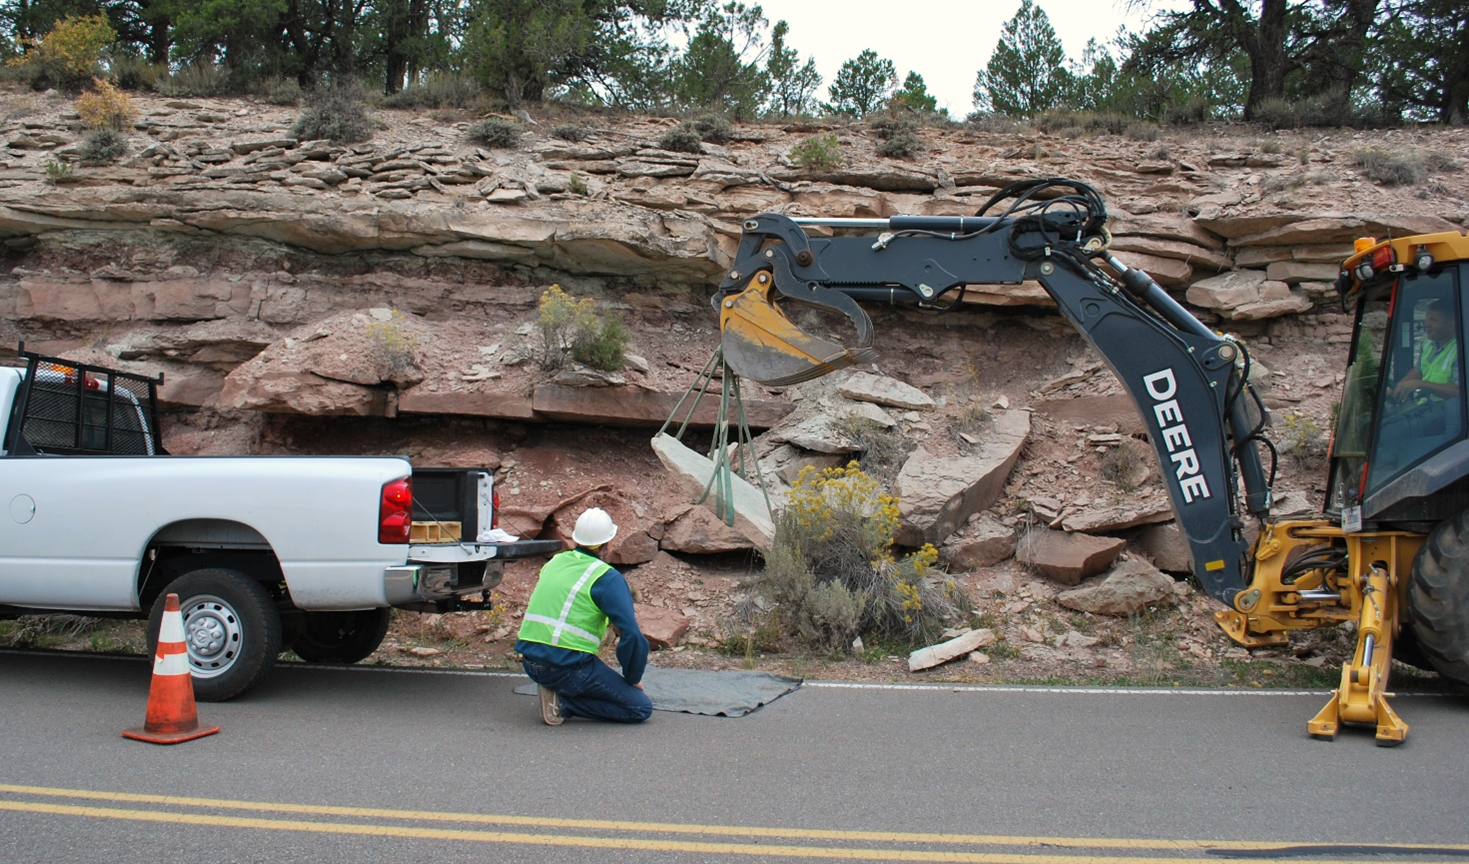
(267, 554)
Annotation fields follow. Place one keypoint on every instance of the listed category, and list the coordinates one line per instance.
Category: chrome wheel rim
(212, 634)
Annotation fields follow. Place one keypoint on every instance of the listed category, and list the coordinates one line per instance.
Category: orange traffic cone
(171, 714)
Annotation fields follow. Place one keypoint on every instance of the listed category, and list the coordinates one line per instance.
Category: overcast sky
(945, 41)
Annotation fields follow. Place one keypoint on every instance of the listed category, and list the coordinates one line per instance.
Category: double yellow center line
(609, 834)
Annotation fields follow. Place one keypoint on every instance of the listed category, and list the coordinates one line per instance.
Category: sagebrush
(580, 329)
(337, 114)
(833, 573)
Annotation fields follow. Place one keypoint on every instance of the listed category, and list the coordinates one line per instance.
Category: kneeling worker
(575, 598)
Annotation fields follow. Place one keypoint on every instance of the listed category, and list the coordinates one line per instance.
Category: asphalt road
(369, 764)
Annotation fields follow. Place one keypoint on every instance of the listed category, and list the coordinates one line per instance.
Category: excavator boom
(1188, 382)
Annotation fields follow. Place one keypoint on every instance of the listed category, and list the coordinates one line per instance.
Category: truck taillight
(495, 512)
(395, 513)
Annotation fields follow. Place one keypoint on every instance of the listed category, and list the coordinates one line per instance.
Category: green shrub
(601, 346)
(1195, 110)
(818, 153)
(899, 137)
(58, 172)
(440, 90)
(337, 114)
(576, 184)
(579, 328)
(570, 132)
(832, 572)
(197, 79)
(1390, 169)
(103, 147)
(137, 74)
(683, 138)
(283, 91)
(713, 128)
(495, 132)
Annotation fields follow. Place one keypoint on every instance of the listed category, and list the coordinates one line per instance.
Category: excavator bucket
(760, 343)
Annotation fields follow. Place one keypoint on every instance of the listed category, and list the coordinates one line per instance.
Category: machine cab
(1399, 451)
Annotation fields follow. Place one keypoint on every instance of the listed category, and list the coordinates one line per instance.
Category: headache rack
(65, 407)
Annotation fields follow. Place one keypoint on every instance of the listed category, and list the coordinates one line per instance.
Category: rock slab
(936, 494)
(866, 387)
(1067, 558)
(959, 646)
(692, 470)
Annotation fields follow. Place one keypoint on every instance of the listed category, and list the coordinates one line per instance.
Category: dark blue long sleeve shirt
(614, 598)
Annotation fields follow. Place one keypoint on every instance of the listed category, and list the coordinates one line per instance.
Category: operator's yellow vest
(561, 611)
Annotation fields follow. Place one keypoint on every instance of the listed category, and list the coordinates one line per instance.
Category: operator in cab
(1437, 370)
(576, 596)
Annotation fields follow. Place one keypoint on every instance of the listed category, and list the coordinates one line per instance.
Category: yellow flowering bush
(833, 572)
(579, 328)
(69, 54)
(105, 106)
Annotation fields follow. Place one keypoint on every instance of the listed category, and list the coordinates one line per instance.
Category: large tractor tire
(341, 637)
(231, 629)
(1438, 598)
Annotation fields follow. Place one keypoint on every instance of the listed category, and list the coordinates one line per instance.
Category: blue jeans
(592, 690)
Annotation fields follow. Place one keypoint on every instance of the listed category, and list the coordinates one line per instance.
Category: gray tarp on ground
(730, 693)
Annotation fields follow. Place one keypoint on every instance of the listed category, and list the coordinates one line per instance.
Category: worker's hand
(639, 685)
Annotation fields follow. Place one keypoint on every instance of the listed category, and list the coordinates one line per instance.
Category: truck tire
(231, 629)
(1438, 598)
(341, 637)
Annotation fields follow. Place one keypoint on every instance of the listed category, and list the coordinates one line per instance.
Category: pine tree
(914, 96)
(863, 84)
(792, 86)
(1027, 72)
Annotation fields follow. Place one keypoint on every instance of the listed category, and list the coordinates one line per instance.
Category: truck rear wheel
(231, 629)
(1438, 598)
(341, 637)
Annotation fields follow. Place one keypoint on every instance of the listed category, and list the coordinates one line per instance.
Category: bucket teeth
(760, 343)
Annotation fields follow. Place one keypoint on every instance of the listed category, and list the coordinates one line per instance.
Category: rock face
(937, 494)
(1131, 587)
(698, 531)
(1067, 558)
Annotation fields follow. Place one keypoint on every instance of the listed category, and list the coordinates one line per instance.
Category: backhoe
(1391, 547)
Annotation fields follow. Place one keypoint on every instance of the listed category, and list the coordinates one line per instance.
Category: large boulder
(696, 530)
(936, 494)
(1132, 586)
(1067, 558)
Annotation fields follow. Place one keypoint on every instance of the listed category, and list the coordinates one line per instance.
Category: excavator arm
(1189, 383)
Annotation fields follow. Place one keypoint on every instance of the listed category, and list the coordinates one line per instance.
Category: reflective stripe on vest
(561, 610)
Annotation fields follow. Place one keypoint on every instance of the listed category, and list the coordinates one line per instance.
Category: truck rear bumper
(438, 575)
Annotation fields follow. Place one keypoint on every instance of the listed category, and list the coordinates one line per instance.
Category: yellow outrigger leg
(1362, 696)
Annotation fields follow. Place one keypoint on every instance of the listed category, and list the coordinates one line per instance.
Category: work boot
(550, 706)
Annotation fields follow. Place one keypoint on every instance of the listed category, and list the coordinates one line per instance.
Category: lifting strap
(721, 482)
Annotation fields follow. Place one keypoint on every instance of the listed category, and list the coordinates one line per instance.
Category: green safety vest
(1439, 365)
(561, 611)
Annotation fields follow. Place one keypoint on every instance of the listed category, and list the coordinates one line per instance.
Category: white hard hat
(593, 528)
